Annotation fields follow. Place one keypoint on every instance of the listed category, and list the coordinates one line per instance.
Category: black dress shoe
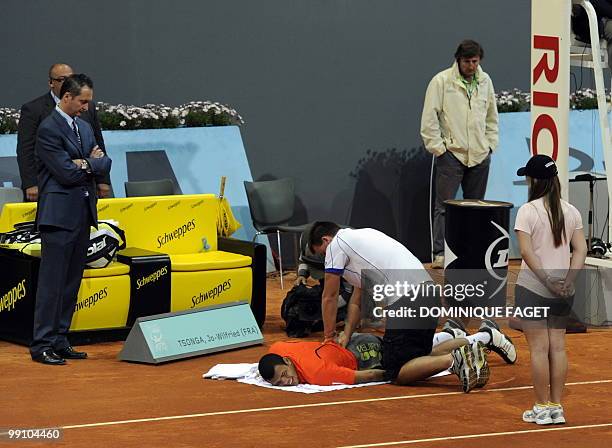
(49, 357)
(71, 353)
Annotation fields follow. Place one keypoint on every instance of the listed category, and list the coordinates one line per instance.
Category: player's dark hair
(321, 229)
(267, 363)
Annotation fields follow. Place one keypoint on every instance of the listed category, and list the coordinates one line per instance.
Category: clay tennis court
(102, 402)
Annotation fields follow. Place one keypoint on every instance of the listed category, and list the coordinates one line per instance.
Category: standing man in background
(70, 165)
(459, 126)
(32, 114)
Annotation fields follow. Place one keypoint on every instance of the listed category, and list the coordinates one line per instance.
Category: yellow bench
(184, 228)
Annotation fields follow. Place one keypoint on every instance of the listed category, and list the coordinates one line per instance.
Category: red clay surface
(102, 390)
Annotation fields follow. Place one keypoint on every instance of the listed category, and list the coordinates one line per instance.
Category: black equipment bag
(301, 311)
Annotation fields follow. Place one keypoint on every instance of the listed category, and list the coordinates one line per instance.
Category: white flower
(122, 123)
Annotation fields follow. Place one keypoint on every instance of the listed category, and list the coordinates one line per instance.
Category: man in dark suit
(70, 164)
(32, 114)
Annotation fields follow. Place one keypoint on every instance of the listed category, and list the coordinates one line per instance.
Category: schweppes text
(8, 300)
(176, 234)
(92, 299)
(211, 293)
(152, 277)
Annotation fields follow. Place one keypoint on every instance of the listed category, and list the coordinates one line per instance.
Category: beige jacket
(452, 122)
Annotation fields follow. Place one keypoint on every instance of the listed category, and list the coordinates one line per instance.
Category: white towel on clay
(249, 374)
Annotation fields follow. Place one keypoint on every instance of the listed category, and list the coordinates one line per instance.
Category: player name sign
(171, 336)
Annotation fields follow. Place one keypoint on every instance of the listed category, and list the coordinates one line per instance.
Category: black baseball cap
(539, 166)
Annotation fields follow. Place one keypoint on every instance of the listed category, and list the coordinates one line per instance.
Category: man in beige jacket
(459, 126)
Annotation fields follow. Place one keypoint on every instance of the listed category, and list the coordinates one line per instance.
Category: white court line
(309, 405)
(474, 436)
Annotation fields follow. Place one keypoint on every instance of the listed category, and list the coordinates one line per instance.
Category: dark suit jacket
(61, 184)
(32, 114)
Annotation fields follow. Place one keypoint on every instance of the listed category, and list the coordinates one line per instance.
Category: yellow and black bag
(104, 242)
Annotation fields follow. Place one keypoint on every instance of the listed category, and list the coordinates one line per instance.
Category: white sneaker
(539, 415)
(480, 364)
(464, 367)
(499, 343)
(455, 328)
(556, 414)
(438, 262)
(455, 332)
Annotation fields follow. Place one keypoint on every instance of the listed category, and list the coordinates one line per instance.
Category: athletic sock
(481, 336)
(441, 337)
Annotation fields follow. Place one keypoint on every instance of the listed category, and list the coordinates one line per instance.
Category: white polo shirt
(368, 256)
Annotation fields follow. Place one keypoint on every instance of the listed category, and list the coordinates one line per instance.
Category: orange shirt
(316, 363)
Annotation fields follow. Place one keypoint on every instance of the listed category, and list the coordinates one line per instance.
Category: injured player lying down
(293, 362)
(366, 258)
(298, 362)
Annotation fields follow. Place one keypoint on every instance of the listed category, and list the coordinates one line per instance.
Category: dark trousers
(59, 278)
(450, 173)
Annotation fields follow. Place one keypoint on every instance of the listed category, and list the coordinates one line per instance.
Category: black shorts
(400, 346)
(526, 299)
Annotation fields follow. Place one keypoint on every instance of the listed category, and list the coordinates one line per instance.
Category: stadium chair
(9, 195)
(162, 187)
(271, 204)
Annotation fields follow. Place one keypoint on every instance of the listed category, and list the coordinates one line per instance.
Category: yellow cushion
(115, 268)
(208, 260)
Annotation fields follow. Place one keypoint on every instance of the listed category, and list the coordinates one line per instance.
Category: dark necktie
(76, 131)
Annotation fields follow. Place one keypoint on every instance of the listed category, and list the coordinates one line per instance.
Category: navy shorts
(558, 308)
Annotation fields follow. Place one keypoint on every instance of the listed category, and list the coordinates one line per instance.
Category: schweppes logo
(176, 234)
(8, 300)
(211, 293)
(92, 300)
(151, 278)
(150, 206)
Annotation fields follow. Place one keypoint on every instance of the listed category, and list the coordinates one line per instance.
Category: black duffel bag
(301, 311)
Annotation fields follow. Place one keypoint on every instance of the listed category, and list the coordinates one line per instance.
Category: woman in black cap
(546, 227)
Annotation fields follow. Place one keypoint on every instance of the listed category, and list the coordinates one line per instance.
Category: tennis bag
(301, 311)
(104, 242)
